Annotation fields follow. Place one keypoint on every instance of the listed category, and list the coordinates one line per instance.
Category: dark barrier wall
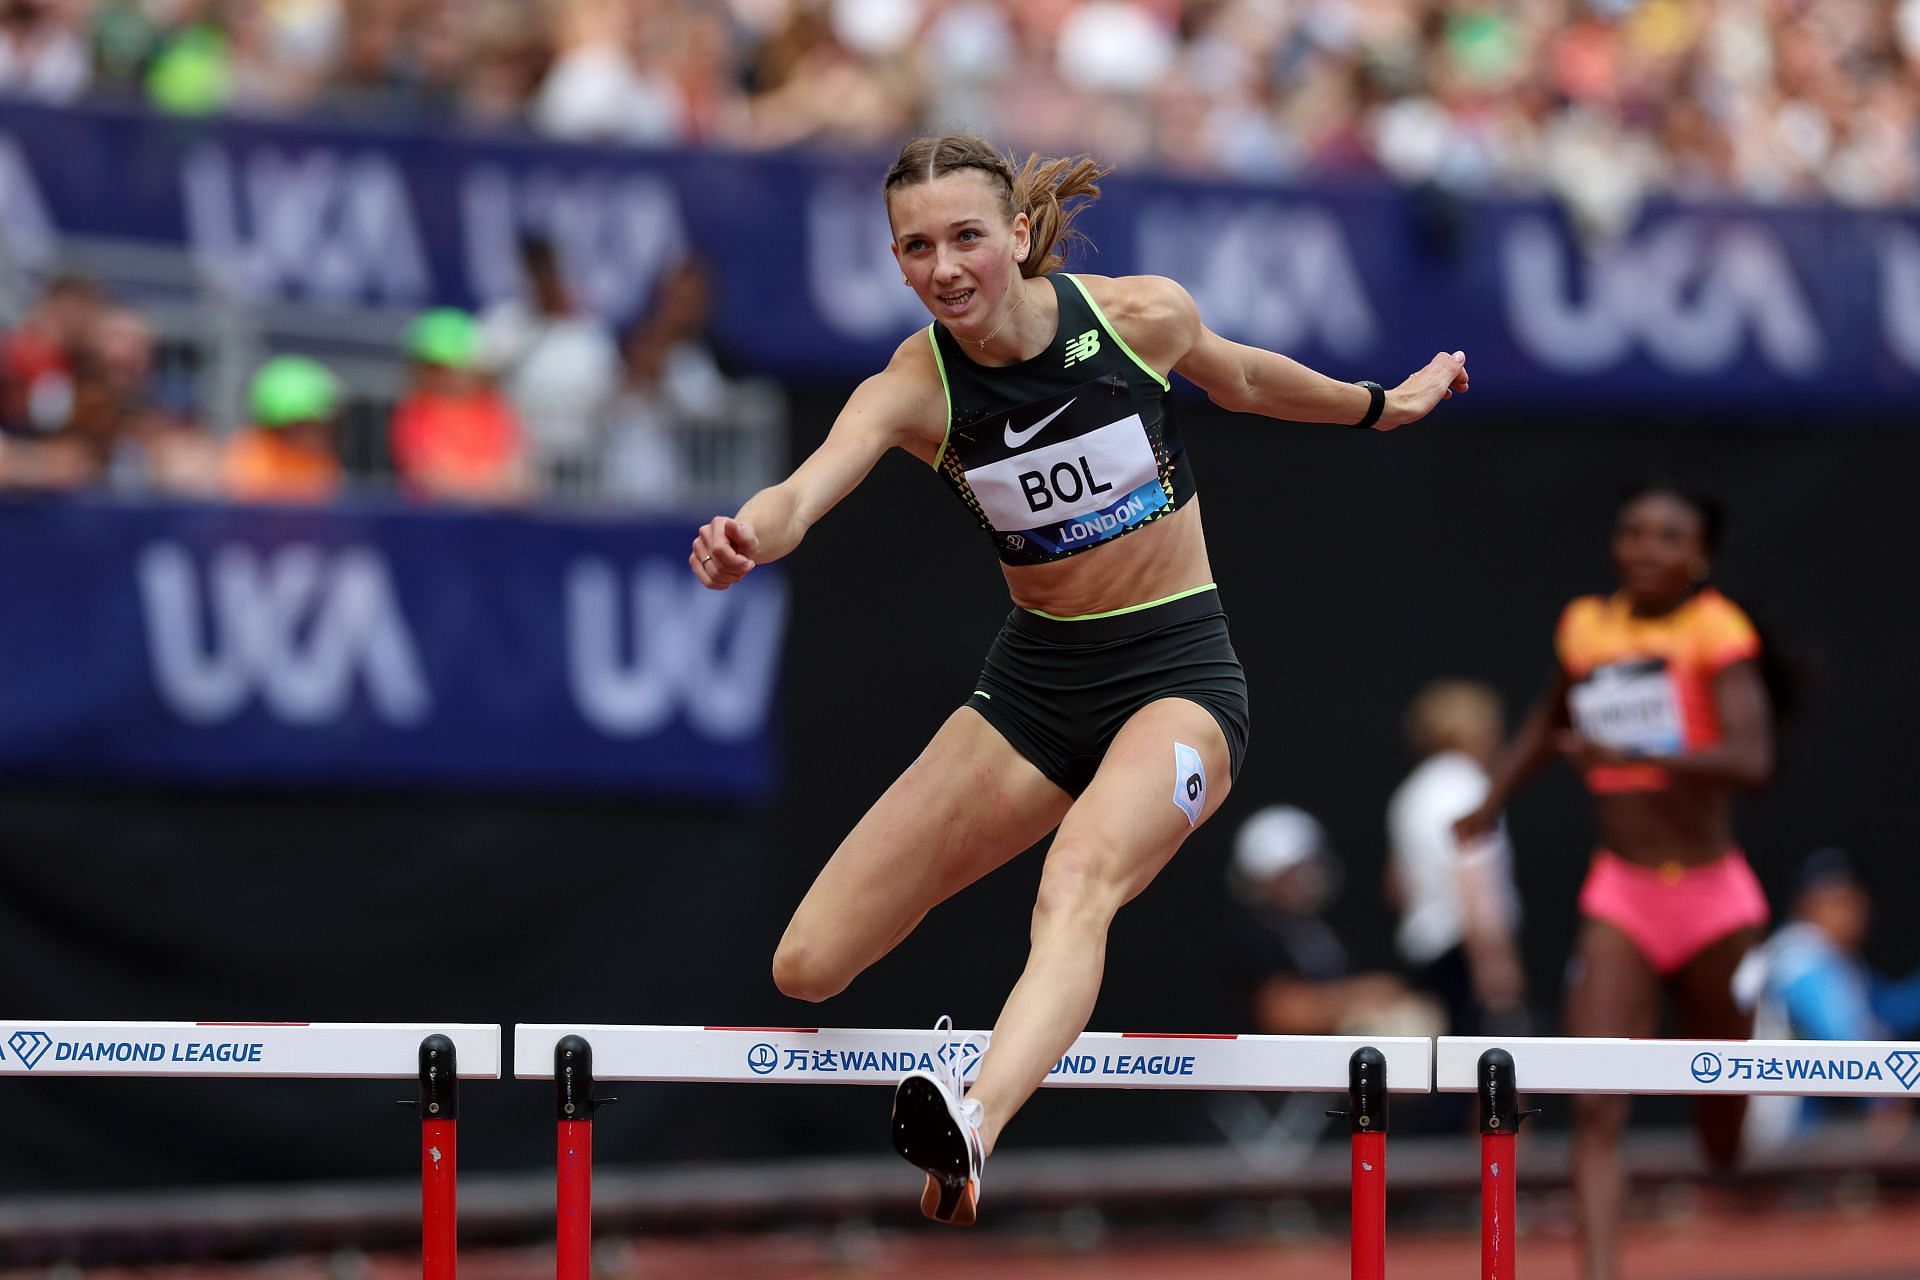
(1354, 568)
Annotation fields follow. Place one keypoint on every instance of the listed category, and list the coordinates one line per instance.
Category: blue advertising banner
(382, 647)
(1732, 306)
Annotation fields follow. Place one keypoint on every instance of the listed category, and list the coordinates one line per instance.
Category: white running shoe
(936, 1127)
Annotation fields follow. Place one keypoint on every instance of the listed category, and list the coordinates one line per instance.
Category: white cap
(1276, 839)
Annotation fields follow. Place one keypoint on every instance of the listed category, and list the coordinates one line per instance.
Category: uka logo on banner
(1900, 292)
(1277, 275)
(27, 235)
(1686, 293)
(712, 653)
(299, 628)
(322, 225)
(852, 278)
(616, 232)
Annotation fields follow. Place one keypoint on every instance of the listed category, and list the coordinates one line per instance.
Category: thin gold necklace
(982, 342)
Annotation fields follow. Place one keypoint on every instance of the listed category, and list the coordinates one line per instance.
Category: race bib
(1631, 706)
(1076, 492)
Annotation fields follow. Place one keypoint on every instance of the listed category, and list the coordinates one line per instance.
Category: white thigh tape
(1189, 782)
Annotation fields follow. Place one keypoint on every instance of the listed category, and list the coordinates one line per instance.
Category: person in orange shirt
(453, 436)
(288, 454)
(1659, 703)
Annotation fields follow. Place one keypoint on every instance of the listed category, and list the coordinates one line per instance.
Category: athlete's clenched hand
(723, 553)
(1415, 398)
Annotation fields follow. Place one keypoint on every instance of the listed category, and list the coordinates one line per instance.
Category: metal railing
(209, 342)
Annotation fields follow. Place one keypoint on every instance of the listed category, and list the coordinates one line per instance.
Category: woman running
(1658, 701)
(1111, 707)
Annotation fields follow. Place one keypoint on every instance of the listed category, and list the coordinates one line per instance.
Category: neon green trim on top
(1118, 340)
(940, 363)
(1132, 608)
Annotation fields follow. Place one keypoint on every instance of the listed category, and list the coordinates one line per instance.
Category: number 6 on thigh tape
(1189, 782)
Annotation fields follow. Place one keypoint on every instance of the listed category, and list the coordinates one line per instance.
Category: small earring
(906, 282)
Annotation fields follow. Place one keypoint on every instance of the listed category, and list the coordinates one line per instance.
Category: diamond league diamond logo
(1905, 1065)
(966, 1051)
(30, 1047)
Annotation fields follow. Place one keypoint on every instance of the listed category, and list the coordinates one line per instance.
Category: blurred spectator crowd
(532, 400)
(1602, 100)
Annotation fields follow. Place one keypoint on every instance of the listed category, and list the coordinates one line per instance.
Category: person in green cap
(287, 454)
(453, 436)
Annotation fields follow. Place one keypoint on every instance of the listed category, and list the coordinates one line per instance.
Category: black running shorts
(1059, 689)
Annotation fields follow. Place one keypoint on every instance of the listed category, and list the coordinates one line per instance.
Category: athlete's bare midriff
(1158, 560)
(1687, 823)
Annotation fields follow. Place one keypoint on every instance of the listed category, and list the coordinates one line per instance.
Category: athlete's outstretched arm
(1248, 380)
(1531, 750)
(883, 411)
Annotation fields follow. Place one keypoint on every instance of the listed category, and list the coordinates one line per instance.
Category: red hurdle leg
(573, 1228)
(1367, 1123)
(1496, 1206)
(1499, 1123)
(574, 1225)
(439, 1158)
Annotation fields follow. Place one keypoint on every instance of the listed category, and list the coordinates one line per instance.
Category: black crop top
(1068, 450)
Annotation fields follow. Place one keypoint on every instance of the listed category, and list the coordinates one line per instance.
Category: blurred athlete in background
(1658, 701)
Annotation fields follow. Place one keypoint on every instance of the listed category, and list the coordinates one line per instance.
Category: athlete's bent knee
(1074, 890)
(800, 975)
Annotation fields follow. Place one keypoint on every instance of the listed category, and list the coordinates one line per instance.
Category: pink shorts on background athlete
(1672, 913)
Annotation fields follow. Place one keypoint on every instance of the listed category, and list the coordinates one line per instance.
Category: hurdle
(1495, 1069)
(577, 1057)
(436, 1055)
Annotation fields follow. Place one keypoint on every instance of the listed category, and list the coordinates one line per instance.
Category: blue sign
(380, 646)
(1724, 305)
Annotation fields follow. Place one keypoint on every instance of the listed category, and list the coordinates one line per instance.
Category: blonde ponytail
(1053, 193)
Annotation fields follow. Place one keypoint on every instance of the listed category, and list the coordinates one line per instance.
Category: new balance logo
(1084, 347)
(30, 1047)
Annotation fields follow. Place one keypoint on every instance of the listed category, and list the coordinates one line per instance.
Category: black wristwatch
(1379, 402)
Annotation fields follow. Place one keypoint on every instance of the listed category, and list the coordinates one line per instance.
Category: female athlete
(1658, 701)
(1111, 708)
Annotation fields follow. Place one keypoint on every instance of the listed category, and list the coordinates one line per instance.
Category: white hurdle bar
(1500, 1070)
(269, 1050)
(1097, 1060)
(437, 1055)
(575, 1056)
(1566, 1064)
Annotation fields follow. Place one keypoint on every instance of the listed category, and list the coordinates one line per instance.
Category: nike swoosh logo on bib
(1017, 438)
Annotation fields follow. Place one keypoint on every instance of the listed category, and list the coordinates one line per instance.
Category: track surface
(1878, 1245)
